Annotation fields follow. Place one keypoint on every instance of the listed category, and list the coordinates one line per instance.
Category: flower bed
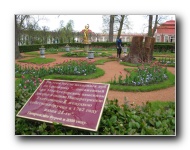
(84, 54)
(79, 67)
(167, 61)
(28, 78)
(143, 76)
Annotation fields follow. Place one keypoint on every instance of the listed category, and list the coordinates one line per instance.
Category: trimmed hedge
(163, 47)
(160, 47)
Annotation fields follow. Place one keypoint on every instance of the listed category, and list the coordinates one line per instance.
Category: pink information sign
(73, 104)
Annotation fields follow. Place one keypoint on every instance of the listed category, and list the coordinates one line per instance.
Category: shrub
(115, 120)
(158, 47)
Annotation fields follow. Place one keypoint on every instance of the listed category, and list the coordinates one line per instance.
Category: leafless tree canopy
(115, 24)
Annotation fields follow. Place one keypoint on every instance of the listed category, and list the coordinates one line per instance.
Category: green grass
(102, 54)
(102, 61)
(35, 53)
(75, 54)
(85, 54)
(103, 49)
(165, 54)
(17, 81)
(20, 75)
(99, 72)
(156, 105)
(130, 69)
(38, 60)
(51, 52)
(136, 65)
(165, 84)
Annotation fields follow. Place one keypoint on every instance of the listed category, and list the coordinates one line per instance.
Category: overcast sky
(95, 22)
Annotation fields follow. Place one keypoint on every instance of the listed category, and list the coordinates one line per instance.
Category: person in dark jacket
(118, 45)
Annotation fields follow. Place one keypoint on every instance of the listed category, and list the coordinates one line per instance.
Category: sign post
(73, 104)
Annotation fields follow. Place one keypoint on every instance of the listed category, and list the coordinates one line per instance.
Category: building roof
(167, 28)
(169, 22)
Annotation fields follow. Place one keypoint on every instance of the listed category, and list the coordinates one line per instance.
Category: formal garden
(122, 115)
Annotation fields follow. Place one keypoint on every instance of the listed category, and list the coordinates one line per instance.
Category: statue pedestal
(90, 54)
(42, 52)
(86, 47)
(67, 48)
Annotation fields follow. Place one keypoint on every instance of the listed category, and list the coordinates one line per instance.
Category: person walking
(119, 48)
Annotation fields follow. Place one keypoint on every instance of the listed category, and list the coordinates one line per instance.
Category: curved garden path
(113, 68)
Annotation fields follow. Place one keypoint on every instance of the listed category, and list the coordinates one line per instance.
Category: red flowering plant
(29, 84)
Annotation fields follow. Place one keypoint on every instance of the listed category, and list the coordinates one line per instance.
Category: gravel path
(113, 68)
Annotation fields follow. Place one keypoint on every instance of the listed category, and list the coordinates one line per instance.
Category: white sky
(95, 22)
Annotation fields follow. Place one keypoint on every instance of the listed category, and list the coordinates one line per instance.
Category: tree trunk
(150, 25)
(155, 25)
(138, 53)
(148, 49)
(17, 52)
(120, 26)
(136, 50)
(152, 48)
(111, 28)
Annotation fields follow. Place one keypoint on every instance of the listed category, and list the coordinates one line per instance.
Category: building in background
(104, 37)
(166, 32)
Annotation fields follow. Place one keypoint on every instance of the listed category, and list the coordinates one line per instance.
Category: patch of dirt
(114, 68)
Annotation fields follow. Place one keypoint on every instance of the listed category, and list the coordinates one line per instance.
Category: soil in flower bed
(114, 68)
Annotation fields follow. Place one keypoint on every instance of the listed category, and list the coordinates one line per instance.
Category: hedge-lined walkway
(113, 68)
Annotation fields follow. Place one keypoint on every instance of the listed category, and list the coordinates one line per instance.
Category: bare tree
(19, 25)
(32, 32)
(45, 34)
(111, 28)
(106, 23)
(155, 25)
(17, 52)
(150, 25)
(156, 20)
(22, 22)
(120, 26)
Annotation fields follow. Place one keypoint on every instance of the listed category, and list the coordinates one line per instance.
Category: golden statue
(85, 39)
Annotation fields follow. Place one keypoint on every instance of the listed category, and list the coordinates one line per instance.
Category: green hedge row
(163, 47)
(160, 47)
